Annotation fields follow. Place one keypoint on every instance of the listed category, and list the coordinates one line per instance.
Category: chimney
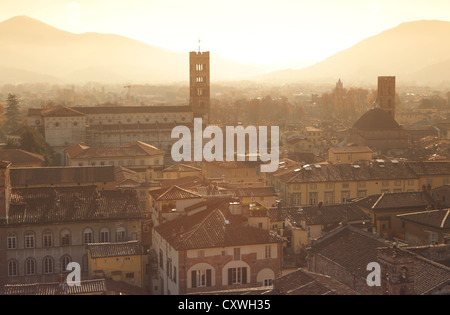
(235, 207)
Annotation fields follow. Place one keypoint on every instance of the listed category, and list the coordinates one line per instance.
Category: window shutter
(244, 275)
(230, 276)
(194, 278)
(208, 277)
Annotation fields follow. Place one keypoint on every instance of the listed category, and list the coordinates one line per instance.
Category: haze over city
(285, 33)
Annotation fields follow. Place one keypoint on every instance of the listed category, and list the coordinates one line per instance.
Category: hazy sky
(259, 31)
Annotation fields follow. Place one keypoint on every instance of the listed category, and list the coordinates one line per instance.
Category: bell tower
(386, 94)
(199, 83)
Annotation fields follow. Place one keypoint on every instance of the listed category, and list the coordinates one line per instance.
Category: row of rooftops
(362, 170)
(65, 111)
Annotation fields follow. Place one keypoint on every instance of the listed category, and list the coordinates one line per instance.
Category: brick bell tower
(199, 83)
(386, 94)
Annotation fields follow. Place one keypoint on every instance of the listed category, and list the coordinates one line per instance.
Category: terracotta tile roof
(61, 175)
(353, 249)
(428, 168)
(75, 149)
(213, 227)
(61, 111)
(68, 204)
(439, 219)
(132, 109)
(188, 182)
(18, 155)
(414, 200)
(376, 118)
(95, 286)
(102, 250)
(182, 167)
(334, 214)
(126, 177)
(303, 282)
(133, 149)
(364, 170)
(173, 193)
(350, 248)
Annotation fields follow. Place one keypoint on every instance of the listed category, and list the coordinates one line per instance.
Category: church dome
(376, 118)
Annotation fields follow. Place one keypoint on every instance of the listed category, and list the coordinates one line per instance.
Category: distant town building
(377, 128)
(349, 154)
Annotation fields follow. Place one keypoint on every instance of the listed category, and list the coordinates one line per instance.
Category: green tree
(12, 113)
(31, 140)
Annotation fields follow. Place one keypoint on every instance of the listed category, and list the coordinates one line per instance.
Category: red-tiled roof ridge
(61, 111)
(145, 147)
(187, 194)
(76, 149)
(19, 155)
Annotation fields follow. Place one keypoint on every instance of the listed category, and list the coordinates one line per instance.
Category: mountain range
(415, 52)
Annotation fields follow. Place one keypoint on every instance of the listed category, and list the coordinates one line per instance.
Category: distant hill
(415, 52)
(34, 51)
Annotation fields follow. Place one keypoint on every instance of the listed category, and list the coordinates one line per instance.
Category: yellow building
(349, 154)
(122, 261)
(180, 170)
(338, 183)
(233, 172)
(313, 134)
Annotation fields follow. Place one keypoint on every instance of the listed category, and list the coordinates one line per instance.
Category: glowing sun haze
(255, 31)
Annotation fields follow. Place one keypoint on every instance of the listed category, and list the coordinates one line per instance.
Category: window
(129, 275)
(361, 184)
(313, 186)
(48, 265)
(201, 278)
(237, 254)
(30, 267)
(362, 193)
(345, 196)
(268, 282)
(161, 258)
(410, 182)
(104, 235)
(29, 240)
(329, 186)
(199, 67)
(385, 183)
(237, 275)
(313, 198)
(398, 183)
(268, 251)
(12, 268)
(12, 241)
(296, 199)
(174, 274)
(88, 236)
(65, 260)
(47, 239)
(345, 185)
(200, 91)
(329, 197)
(65, 237)
(121, 234)
(199, 79)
